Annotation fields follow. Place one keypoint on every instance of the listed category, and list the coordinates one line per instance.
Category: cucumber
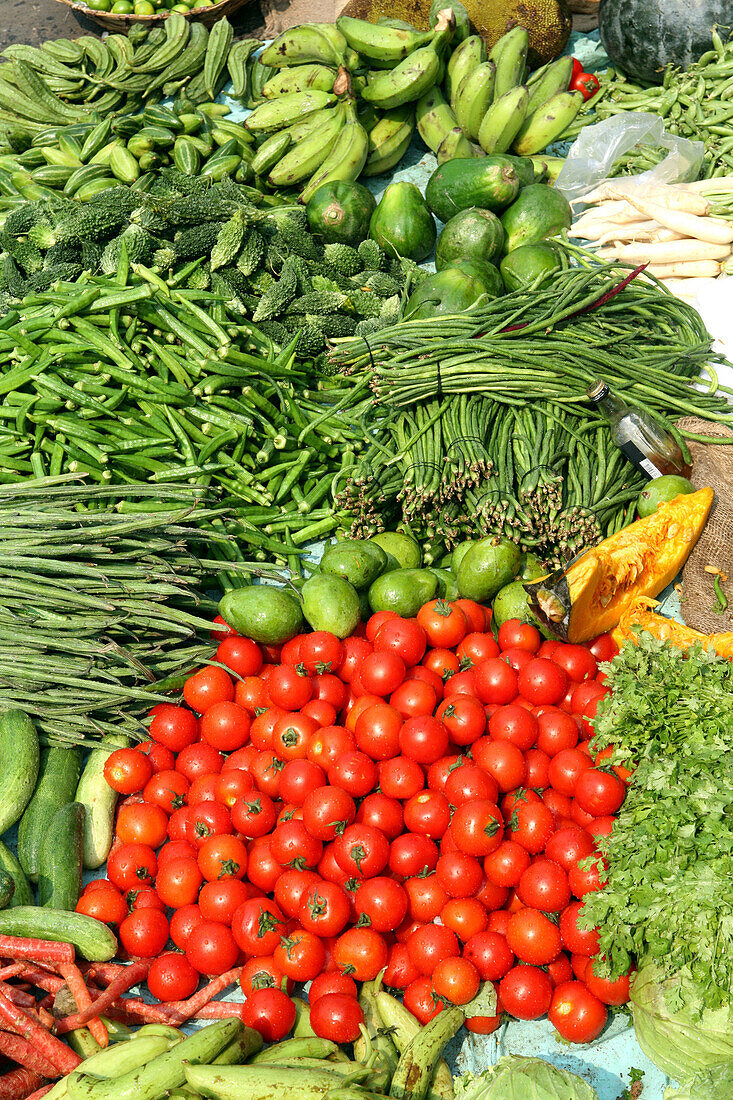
(19, 756)
(60, 859)
(92, 939)
(7, 889)
(57, 783)
(99, 801)
(23, 894)
(487, 182)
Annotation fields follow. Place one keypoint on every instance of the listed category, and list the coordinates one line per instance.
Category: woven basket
(119, 22)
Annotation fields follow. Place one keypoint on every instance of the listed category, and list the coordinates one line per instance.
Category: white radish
(701, 269)
(647, 231)
(690, 225)
(673, 198)
(670, 252)
(711, 186)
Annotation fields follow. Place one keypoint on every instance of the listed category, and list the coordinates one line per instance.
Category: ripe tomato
(599, 791)
(336, 1016)
(556, 731)
(362, 952)
(420, 999)
(209, 819)
(610, 991)
(531, 825)
(178, 882)
(428, 945)
(292, 735)
(429, 813)
(298, 779)
(254, 815)
(533, 937)
(600, 826)
(132, 865)
(400, 971)
(183, 921)
(444, 623)
(377, 731)
(584, 703)
(376, 621)
(381, 902)
(355, 650)
(584, 880)
(568, 845)
(467, 783)
(328, 744)
(575, 939)
(491, 955)
(198, 760)
(496, 681)
(321, 652)
(426, 896)
(325, 909)
(603, 647)
(382, 672)
(225, 725)
(142, 823)
(577, 662)
(514, 724)
(289, 688)
(252, 694)
(456, 980)
(167, 790)
(544, 885)
(526, 992)
(400, 777)
(424, 739)
(443, 662)
(106, 905)
(222, 856)
(353, 772)
(258, 926)
(577, 1014)
(174, 727)
(459, 874)
(405, 637)
(127, 770)
(566, 768)
(144, 933)
(219, 901)
(542, 682)
(463, 683)
(464, 916)
(414, 698)
(260, 972)
(232, 786)
(506, 865)
(265, 770)
(271, 1012)
(464, 718)
(475, 648)
(515, 634)
(293, 846)
(361, 851)
(412, 853)
(143, 899)
(328, 688)
(300, 955)
(477, 827)
(327, 811)
(502, 760)
(208, 686)
(241, 655)
(171, 977)
(292, 887)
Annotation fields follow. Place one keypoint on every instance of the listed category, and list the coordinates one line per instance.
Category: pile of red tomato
(419, 798)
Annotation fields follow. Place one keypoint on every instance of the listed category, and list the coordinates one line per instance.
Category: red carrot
(221, 1010)
(99, 971)
(11, 971)
(45, 1018)
(58, 1053)
(25, 1054)
(137, 1010)
(185, 1010)
(42, 978)
(40, 1092)
(41, 951)
(134, 973)
(75, 982)
(18, 996)
(19, 1084)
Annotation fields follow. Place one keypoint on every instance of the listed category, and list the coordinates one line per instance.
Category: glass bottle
(648, 446)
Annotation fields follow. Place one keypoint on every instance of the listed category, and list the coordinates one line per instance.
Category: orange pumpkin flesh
(640, 614)
(641, 560)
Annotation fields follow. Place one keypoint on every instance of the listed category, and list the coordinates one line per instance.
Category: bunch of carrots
(30, 1025)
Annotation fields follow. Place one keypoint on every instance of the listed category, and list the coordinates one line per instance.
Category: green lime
(144, 7)
(530, 263)
(180, 7)
(202, 4)
(121, 7)
(512, 602)
(662, 489)
(402, 547)
(99, 5)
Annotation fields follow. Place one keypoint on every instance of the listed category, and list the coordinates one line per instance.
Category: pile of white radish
(672, 228)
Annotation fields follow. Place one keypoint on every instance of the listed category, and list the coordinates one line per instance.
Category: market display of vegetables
(342, 718)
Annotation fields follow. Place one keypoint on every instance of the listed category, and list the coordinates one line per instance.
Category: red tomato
(538, 766)
(293, 846)
(584, 703)
(298, 779)
(361, 851)
(502, 760)
(414, 698)
(167, 790)
(321, 652)
(443, 623)
(209, 819)
(198, 760)
(208, 686)
(292, 735)
(289, 688)
(142, 823)
(331, 982)
(491, 955)
(241, 655)
(420, 999)
(464, 718)
(424, 739)
(514, 724)
(584, 880)
(531, 825)
(377, 731)
(132, 865)
(463, 683)
(428, 812)
(263, 870)
(127, 770)
(601, 826)
(178, 882)
(443, 662)
(327, 811)
(144, 933)
(252, 694)
(271, 1012)
(254, 815)
(382, 901)
(225, 725)
(362, 952)
(515, 634)
(107, 906)
(556, 731)
(354, 772)
(506, 865)
(428, 945)
(260, 972)
(464, 916)
(328, 744)
(575, 939)
(175, 727)
(610, 991)
(219, 901)
(355, 650)
(258, 926)
(603, 647)
(405, 637)
(496, 681)
(456, 980)
(467, 783)
(183, 922)
(411, 853)
(566, 768)
(459, 874)
(533, 937)
(292, 887)
(221, 857)
(542, 682)
(382, 672)
(577, 662)
(336, 1016)
(143, 899)
(477, 647)
(526, 992)
(599, 792)
(568, 845)
(427, 897)
(544, 885)
(224, 630)
(381, 812)
(325, 909)
(576, 1014)
(477, 827)
(171, 977)
(328, 688)
(376, 621)
(300, 955)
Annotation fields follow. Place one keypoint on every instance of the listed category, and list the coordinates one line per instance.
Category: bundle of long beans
(695, 103)
(549, 476)
(101, 611)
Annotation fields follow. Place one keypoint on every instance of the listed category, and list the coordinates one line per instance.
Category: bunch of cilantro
(669, 896)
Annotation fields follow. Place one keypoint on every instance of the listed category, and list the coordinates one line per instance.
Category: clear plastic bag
(598, 147)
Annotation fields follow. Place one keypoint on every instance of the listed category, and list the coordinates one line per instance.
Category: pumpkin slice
(593, 593)
(640, 614)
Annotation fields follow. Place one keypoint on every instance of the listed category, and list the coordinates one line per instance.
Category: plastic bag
(598, 147)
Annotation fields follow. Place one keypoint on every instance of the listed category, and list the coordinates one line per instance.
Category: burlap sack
(281, 14)
(713, 466)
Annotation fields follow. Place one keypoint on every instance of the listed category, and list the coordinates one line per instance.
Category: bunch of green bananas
(339, 99)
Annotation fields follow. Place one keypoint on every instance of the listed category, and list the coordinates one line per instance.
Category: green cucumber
(92, 939)
(99, 801)
(19, 756)
(7, 889)
(23, 894)
(60, 859)
(57, 783)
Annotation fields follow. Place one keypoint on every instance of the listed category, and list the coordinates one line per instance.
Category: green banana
(547, 169)
(299, 78)
(474, 97)
(307, 125)
(275, 114)
(465, 58)
(384, 45)
(346, 158)
(303, 160)
(510, 57)
(547, 124)
(556, 78)
(502, 121)
(385, 21)
(303, 1047)
(434, 118)
(456, 146)
(389, 140)
(318, 43)
(270, 152)
(414, 76)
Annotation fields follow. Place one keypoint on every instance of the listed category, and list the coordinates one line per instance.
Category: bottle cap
(597, 390)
